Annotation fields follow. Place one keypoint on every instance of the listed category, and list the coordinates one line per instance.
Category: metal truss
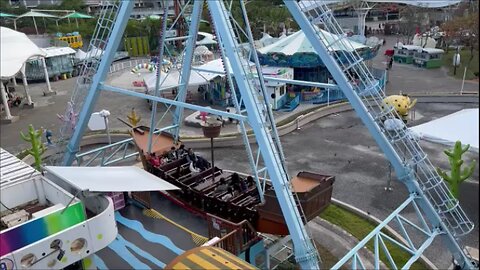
(401, 148)
(418, 235)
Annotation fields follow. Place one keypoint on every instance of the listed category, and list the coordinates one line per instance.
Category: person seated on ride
(243, 185)
(154, 160)
(181, 151)
(164, 160)
(172, 154)
(235, 182)
(249, 181)
(191, 157)
(230, 194)
(201, 163)
(193, 168)
(222, 187)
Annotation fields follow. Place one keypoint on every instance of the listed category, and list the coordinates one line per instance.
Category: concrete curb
(377, 221)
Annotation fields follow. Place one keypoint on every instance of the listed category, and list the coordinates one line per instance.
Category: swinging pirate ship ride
(198, 189)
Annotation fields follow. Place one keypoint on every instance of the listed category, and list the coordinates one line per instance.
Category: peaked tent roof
(16, 49)
(298, 43)
(171, 80)
(36, 14)
(77, 15)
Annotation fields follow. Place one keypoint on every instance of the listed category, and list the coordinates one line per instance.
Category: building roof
(433, 50)
(58, 51)
(13, 170)
(412, 47)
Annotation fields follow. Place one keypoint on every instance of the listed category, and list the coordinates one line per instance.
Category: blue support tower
(411, 166)
(438, 213)
(305, 252)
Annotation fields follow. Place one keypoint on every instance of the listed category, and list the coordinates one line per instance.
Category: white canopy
(216, 66)
(460, 126)
(15, 49)
(110, 179)
(208, 39)
(172, 80)
(80, 54)
(93, 52)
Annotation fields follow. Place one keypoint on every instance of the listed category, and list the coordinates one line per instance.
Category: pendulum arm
(187, 65)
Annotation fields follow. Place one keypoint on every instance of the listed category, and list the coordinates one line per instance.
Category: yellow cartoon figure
(401, 103)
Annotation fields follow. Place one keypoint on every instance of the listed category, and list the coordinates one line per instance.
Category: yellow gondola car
(74, 40)
(207, 257)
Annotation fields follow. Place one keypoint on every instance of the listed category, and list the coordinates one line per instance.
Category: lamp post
(211, 129)
(456, 61)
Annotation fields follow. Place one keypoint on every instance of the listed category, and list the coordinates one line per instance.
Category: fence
(234, 238)
(327, 95)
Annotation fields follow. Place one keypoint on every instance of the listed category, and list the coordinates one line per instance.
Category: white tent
(215, 67)
(298, 43)
(460, 126)
(208, 39)
(425, 42)
(80, 55)
(15, 49)
(171, 80)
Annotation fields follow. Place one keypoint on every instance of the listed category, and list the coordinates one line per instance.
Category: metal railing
(234, 237)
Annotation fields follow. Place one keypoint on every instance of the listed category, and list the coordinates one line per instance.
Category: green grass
(472, 66)
(360, 227)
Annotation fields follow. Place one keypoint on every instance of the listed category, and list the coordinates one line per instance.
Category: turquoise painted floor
(147, 243)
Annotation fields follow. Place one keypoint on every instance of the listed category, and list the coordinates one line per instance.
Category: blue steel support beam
(403, 172)
(172, 102)
(241, 124)
(263, 88)
(187, 64)
(305, 252)
(94, 90)
(153, 114)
